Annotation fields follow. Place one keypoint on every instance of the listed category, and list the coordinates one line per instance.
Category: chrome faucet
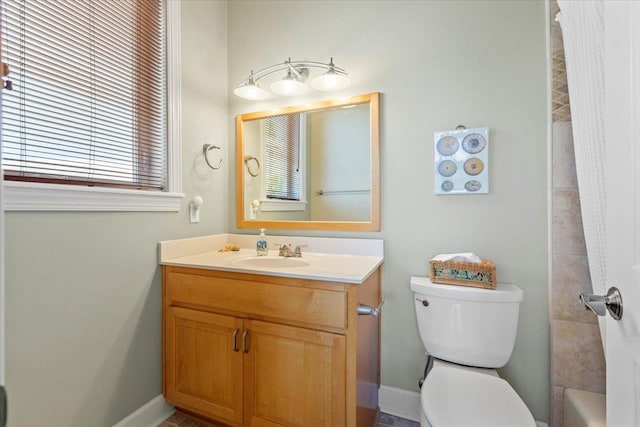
(600, 304)
(287, 252)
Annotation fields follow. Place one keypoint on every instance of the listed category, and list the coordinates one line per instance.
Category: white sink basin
(271, 262)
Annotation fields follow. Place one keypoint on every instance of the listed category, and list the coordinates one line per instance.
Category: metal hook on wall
(205, 150)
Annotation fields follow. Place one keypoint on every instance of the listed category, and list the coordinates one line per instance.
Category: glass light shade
(289, 87)
(330, 81)
(251, 91)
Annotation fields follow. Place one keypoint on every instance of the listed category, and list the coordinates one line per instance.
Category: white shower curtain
(582, 25)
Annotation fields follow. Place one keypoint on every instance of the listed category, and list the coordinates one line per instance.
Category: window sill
(29, 196)
(271, 205)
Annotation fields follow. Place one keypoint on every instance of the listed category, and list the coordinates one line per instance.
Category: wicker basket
(478, 275)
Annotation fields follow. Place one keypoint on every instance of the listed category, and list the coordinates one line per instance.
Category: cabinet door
(294, 377)
(203, 363)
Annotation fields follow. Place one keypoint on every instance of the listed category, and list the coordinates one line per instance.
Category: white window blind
(88, 104)
(282, 157)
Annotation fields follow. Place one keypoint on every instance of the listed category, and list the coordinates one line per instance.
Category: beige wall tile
(564, 160)
(562, 115)
(562, 98)
(557, 406)
(556, 31)
(570, 277)
(567, 235)
(561, 107)
(578, 359)
(556, 38)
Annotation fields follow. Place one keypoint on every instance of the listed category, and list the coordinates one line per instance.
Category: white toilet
(468, 332)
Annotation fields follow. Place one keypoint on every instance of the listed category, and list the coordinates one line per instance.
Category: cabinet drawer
(298, 304)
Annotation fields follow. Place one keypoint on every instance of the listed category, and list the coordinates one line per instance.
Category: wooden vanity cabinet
(266, 351)
(203, 367)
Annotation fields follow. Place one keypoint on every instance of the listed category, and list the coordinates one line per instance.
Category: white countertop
(332, 259)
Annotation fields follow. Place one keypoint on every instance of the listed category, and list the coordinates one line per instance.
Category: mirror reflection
(310, 167)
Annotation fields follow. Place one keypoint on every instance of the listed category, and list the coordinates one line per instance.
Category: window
(282, 157)
(92, 109)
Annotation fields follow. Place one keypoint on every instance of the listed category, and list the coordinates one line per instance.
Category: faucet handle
(284, 249)
(298, 250)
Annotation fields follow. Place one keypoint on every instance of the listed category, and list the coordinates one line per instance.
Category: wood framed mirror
(310, 167)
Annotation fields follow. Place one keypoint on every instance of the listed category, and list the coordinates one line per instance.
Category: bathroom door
(622, 177)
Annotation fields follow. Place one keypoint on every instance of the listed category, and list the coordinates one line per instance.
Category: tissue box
(477, 275)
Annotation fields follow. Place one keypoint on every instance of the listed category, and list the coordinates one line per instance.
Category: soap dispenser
(262, 247)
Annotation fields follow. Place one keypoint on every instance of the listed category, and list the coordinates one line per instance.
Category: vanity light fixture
(331, 80)
(290, 85)
(250, 89)
(294, 81)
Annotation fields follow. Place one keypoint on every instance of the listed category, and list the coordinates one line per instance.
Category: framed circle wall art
(461, 161)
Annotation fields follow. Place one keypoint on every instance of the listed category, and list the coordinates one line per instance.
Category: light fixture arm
(301, 74)
(295, 67)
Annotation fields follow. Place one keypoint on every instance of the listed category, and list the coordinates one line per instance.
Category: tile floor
(387, 420)
(181, 420)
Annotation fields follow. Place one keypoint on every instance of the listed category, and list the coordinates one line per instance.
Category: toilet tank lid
(502, 292)
(454, 397)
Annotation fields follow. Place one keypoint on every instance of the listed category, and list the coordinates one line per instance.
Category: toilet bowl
(469, 332)
(457, 396)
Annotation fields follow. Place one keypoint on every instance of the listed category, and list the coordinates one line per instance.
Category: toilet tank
(469, 326)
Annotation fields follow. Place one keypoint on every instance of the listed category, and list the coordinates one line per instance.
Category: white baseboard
(151, 414)
(406, 404)
(399, 402)
(392, 400)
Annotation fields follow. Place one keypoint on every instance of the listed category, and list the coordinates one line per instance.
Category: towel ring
(247, 159)
(205, 150)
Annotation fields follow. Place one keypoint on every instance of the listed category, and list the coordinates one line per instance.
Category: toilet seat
(460, 397)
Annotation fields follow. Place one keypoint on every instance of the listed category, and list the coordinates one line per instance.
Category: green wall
(83, 290)
(438, 64)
